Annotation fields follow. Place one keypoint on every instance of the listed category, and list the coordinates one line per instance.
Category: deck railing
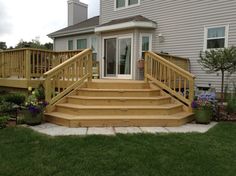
(30, 63)
(170, 77)
(65, 77)
(183, 63)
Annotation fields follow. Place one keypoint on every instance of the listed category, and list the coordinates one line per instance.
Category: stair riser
(127, 102)
(138, 111)
(118, 85)
(118, 94)
(119, 122)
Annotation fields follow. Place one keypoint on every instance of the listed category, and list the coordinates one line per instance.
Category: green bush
(3, 121)
(39, 92)
(231, 105)
(16, 98)
(6, 107)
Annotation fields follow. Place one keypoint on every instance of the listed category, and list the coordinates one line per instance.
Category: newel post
(145, 67)
(90, 66)
(191, 90)
(27, 64)
(48, 89)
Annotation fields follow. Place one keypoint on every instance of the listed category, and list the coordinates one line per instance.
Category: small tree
(223, 60)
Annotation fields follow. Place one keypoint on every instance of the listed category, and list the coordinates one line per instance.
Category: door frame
(117, 37)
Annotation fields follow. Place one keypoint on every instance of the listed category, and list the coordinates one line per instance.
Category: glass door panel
(124, 55)
(110, 58)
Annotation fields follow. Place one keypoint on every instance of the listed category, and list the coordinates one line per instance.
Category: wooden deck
(23, 68)
(75, 99)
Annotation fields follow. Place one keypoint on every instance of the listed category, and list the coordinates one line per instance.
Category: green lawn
(24, 152)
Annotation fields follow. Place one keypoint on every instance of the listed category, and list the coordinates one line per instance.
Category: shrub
(3, 121)
(15, 98)
(39, 92)
(231, 106)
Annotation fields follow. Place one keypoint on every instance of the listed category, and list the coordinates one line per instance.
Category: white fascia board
(131, 24)
(73, 32)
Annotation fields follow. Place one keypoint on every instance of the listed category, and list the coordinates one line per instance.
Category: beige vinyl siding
(182, 25)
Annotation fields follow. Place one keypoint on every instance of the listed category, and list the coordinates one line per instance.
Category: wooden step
(75, 109)
(131, 120)
(118, 85)
(118, 92)
(114, 101)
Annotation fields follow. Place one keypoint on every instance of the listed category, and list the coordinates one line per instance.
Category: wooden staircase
(118, 103)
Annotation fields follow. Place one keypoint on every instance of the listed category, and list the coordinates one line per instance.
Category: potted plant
(203, 107)
(34, 109)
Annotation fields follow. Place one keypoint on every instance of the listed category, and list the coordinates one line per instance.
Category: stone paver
(100, 131)
(128, 130)
(190, 128)
(60, 130)
(55, 130)
(154, 130)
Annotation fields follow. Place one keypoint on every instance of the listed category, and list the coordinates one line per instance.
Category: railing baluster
(170, 77)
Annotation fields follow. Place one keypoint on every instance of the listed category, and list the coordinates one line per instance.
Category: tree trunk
(222, 86)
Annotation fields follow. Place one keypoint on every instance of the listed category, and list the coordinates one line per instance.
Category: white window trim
(141, 42)
(218, 26)
(126, 5)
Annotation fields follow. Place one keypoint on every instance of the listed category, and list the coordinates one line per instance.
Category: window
(132, 2)
(70, 45)
(120, 3)
(81, 43)
(146, 43)
(94, 47)
(126, 3)
(216, 37)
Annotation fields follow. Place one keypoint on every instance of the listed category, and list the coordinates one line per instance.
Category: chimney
(77, 12)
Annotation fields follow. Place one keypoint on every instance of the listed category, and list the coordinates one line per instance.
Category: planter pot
(203, 116)
(12, 122)
(32, 119)
(140, 63)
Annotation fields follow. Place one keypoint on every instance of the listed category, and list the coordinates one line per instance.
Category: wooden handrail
(67, 62)
(170, 77)
(180, 70)
(65, 77)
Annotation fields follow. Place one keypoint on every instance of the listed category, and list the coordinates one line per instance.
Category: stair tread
(75, 106)
(179, 115)
(119, 90)
(119, 98)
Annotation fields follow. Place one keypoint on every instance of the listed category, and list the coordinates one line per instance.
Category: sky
(34, 19)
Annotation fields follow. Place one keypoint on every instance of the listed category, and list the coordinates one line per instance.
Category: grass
(25, 153)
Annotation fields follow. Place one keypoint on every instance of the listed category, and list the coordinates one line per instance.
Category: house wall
(61, 43)
(182, 23)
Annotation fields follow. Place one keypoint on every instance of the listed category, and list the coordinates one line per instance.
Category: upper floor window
(216, 37)
(126, 3)
(70, 45)
(81, 43)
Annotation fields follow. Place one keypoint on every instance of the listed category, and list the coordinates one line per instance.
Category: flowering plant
(34, 105)
(206, 100)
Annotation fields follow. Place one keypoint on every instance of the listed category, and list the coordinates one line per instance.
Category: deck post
(27, 64)
(2, 64)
